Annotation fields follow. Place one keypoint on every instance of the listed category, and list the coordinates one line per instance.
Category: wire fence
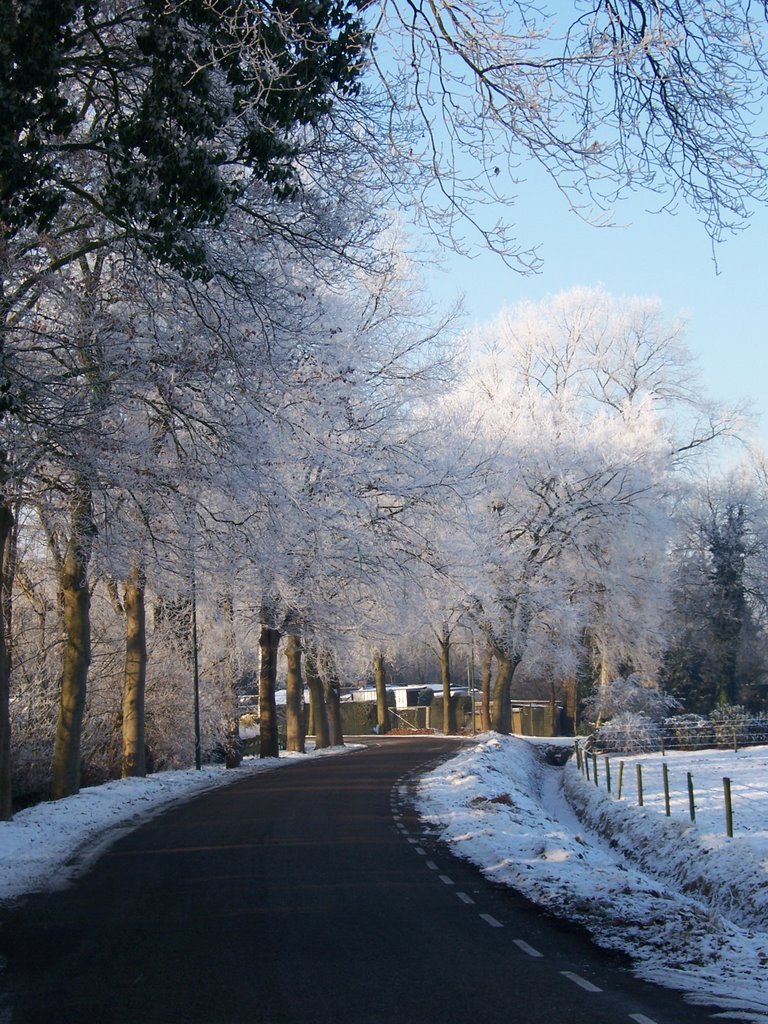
(613, 776)
(636, 734)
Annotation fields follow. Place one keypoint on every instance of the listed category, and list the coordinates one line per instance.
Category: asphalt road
(308, 895)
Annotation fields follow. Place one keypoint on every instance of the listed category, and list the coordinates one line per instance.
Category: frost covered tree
(627, 713)
(603, 97)
(155, 118)
(153, 128)
(345, 446)
(630, 695)
(584, 412)
(143, 124)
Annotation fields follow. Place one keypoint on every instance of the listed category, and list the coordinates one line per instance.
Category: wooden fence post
(728, 808)
(691, 801)
(639, 770)
(621, 779)
(665, 773)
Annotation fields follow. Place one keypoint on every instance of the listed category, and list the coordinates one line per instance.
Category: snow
(686, 903)
(46, 846)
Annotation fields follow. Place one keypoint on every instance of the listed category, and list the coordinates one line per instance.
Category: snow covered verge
(45, 846)
(689, 907)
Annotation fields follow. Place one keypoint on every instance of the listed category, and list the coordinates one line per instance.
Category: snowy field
(689, 905)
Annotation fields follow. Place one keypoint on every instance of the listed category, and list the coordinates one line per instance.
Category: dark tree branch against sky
(607, 97)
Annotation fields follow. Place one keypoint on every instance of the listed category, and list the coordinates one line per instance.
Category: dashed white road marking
(432, 866)
(581, 982)
(447, 880)
(421, 852)
(526, 948)
(465, 898)
(491, 921)
(414, 841)
(640, 1018)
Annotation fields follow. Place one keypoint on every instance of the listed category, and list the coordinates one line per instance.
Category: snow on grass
(688, 905)
(45, 846)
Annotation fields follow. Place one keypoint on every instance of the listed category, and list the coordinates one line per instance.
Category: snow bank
(728, 874)
(500, 806)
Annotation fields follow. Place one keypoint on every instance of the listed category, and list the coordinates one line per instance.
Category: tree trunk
(269, 640)
(332, 692)
(317, 703)
(485, 690)
(6, 792)
(294, 695)
(233, 754)
(449, 713)
(603, 677)
(382, 710)
(76, 601)
(571, 695)
(501, 720)
(134, 753)
(333, 701)
(554, 724)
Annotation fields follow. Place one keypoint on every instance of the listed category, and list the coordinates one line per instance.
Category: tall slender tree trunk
(485, 690)
(9, 555)
(76, 601)
(233, 754)
(382, 710)
(501, 717)
(269, 640)
(603, 677)
(332, 690)
(6, 789)
(571, 700)
(6, 530)
(333, 703)
(449, 712)
(554, 723)
(317, 703)
(294, 695)
(134, 750)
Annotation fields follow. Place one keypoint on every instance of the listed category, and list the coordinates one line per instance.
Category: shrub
(688, 732)
(628, 696)
(629, 732)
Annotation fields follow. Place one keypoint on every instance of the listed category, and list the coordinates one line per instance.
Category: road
(309, 895)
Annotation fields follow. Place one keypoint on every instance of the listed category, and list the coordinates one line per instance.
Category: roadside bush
(688, 732)
(630, 733)
(628, 696)
(728, 726)
(732, 724)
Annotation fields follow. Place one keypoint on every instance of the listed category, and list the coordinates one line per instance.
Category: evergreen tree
(728, 607)
(157, 116)
(716, 656)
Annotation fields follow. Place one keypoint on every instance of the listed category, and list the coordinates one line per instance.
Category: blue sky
(664, 255)
(658, 254)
